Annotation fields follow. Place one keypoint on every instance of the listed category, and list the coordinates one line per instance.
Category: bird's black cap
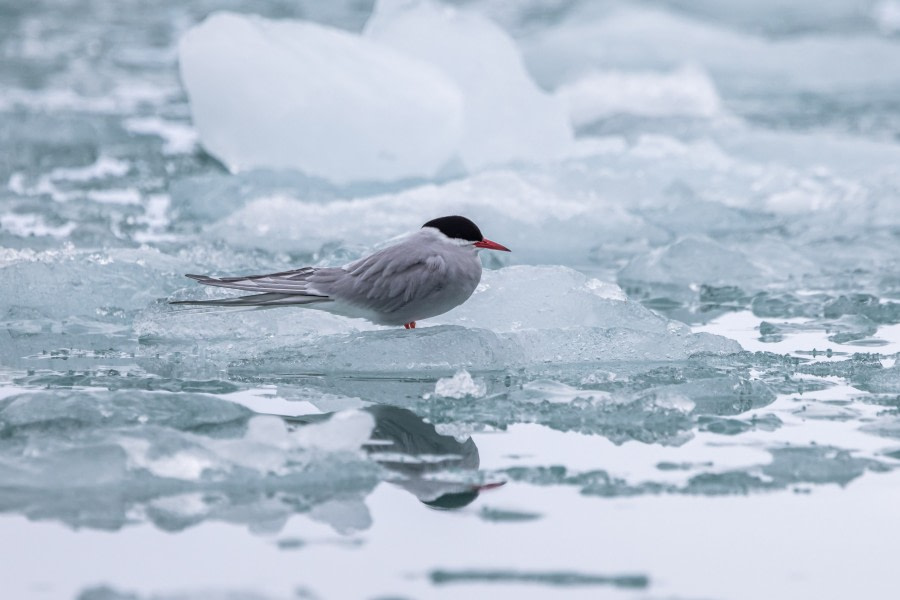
(456, 227)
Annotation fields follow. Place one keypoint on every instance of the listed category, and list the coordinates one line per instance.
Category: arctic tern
(425, 275)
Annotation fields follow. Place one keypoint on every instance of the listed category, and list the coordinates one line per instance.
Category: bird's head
(461, 229)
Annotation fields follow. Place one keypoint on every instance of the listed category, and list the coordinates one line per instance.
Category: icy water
(682, 383)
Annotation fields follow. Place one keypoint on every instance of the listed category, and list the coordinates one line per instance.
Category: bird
(425, 275)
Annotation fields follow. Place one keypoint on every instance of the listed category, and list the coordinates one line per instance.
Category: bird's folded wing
(388, 279)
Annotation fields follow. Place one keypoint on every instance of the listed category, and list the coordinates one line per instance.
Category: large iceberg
(425, 85)
(291, 94)
(507, 117)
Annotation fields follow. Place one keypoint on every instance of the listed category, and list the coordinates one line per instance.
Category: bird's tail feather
(269, 299)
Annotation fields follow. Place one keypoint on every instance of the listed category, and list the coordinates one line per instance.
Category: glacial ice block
(507, 118)
(446, 349)
(295, 95)
(549, 297)
(687, 91)
(686, 264)
(520, 316)
(101, 286)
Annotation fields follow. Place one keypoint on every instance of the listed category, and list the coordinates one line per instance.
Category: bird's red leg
(411, 325)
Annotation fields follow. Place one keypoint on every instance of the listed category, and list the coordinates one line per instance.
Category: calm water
(682, 383)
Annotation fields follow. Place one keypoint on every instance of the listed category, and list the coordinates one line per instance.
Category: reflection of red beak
(489, 486)
(489, 245)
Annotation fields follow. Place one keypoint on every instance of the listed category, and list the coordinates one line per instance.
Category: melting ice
(694, 342)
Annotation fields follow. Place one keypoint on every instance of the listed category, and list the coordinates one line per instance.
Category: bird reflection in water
(406, 445)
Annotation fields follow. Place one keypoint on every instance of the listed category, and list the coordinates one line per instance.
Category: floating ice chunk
(446, 349)
(105, 166)
(507, 117)
(287, 94)
(687, 91)
(235, 330)
(549, 297)
(728, 395)
(460, 385)
(601, 345)
(863, 304)
(546, 390)
(769, 305)
(34, 225)
(103, 286)
(523, 315)
(886, 381)
(115, 196)
(178, 138)
(687, 264)
(684, 211)
(441, 349)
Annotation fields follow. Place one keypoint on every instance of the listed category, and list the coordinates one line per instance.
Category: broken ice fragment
(459, 386)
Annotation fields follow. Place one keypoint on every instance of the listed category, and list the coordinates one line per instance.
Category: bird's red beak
(489, 486)
(489, 245)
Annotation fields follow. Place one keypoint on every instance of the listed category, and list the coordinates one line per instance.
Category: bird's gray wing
(285, 282)
(388, 279)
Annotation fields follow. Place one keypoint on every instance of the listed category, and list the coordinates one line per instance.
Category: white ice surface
(548, 297)
(687, 91)
(291, 94)
(506, 116)
(691, 262)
